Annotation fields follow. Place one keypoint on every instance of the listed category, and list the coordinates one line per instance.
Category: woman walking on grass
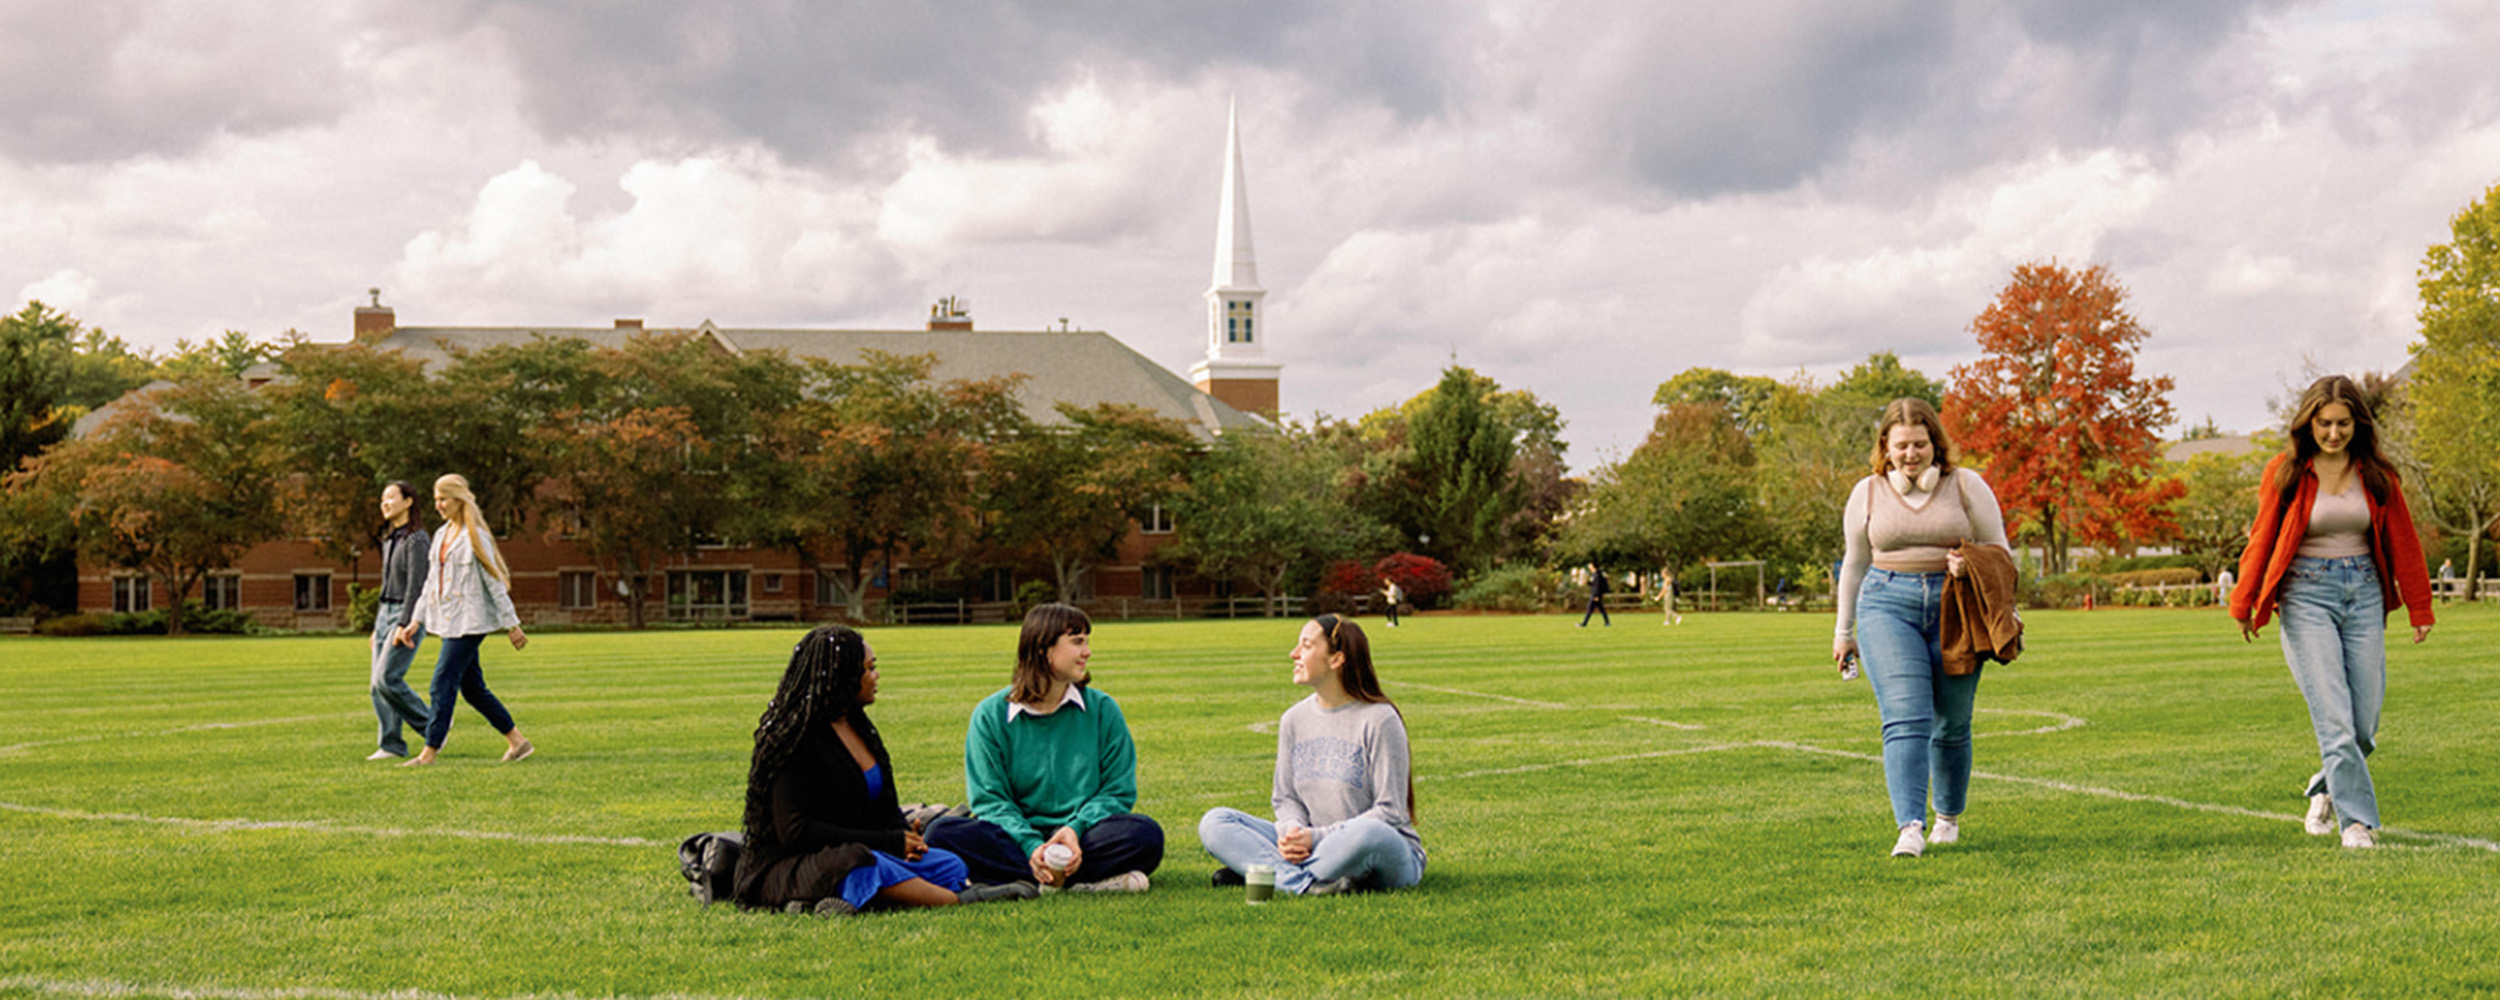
(467, 595)
(1051, 774)
(1901, 524)
(1344, 790)
(2333, 551)
(823, 832)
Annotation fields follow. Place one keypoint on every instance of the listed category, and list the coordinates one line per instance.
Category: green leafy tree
(1065, 497)
(2216, 504)
(1452, 479)
(339, 413)
(175, 483)
(1685, 496)
(1261, 501)
(2455, 394)
(1881, 378)
(633, 486)
(873, 459)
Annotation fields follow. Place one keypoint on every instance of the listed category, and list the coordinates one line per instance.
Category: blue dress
(940, 867)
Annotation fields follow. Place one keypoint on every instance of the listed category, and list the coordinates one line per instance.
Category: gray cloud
(112, 79)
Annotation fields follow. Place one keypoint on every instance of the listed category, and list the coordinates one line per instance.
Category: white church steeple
(1236, 369)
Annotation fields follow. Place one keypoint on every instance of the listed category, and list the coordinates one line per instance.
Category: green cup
(1258, 885)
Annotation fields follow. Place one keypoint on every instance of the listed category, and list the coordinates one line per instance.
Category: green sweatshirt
(1074, 767)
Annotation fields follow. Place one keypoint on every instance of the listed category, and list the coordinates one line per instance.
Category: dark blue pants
(456, 672)
(1597, 606)
(1125, 843)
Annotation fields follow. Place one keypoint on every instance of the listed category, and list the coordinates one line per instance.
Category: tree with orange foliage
(2057, 415)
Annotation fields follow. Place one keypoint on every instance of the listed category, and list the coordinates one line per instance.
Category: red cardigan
(2395, 546)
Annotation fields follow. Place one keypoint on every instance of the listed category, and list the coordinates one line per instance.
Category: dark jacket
(1978, 621)
(823, 824)
(404, 567)
(2404, 578)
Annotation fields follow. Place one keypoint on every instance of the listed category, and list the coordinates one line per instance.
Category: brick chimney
(950, 313)
(375, 321)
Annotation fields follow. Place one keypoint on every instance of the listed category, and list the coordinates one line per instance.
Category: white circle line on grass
(201, 728)
(1669, 723)
(321, 826)
(102, 988)
(2064, 722)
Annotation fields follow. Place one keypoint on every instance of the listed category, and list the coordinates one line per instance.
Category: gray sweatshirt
(1336, 765)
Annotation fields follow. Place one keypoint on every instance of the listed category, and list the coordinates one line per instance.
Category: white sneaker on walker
(2358, 835)
(1913, 841)
(2321, 819)
(1948, 830)
(1129, 881)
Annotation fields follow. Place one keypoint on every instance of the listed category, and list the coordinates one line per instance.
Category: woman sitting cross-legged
(823, 831)
(1051, 774)
(1344, 791)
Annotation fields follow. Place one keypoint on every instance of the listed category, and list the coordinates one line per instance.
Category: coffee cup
(1258, 885)
(1057, 858)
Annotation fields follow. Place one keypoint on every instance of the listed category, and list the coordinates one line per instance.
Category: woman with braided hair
(823, 832)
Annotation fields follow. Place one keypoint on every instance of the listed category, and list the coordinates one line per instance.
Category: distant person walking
(1666, 597)
(467, 595)
(1343, 792)
(2333, 551)
(2222, 585)
(1597, 598)
(404, 542)
(1901, 524)
(2447, 580)
(1390, 595)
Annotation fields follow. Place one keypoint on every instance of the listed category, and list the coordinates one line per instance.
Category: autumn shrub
(1346, 576)
(1423, 578)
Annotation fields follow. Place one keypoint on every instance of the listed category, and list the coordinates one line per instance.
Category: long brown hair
(2378, 475)
(1912, 410)
(1044, 626)
(1344, 637)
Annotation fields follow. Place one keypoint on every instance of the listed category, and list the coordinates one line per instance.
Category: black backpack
(710, 863)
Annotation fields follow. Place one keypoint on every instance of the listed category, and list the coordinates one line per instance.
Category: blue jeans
(1926, 714)
(394, 702)
(2335, 640)
(1374, 854)
(1128, 842)
(457, 673)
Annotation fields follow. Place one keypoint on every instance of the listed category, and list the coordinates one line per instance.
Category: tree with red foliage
(1424, 579)
(2056, 413)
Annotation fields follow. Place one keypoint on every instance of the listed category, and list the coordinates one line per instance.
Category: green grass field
(1634, 811)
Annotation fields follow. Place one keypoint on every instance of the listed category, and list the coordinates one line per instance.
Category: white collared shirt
(1075, 696)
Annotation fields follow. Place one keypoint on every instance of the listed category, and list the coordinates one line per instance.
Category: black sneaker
(1332, 887)
(830, 906)
(1225, 878)
(978, 893)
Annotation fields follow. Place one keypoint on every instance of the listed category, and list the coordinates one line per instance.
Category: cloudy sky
(1581, 197)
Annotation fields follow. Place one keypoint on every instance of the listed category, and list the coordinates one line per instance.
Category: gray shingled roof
(1083, 367)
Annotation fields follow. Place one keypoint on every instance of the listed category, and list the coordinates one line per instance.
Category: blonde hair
(459, 507)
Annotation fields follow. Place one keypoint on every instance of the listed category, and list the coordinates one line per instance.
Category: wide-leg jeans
(395, 704)
(2335, 641)
(1374, 854)
(1926, 713)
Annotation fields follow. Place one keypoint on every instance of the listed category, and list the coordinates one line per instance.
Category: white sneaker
(1122, 882)
(1948, 830)
(1913, 841)
(2321, 819)
(383, 755)
(2358, 835)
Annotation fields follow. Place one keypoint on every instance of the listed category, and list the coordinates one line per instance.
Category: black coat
(824, 823)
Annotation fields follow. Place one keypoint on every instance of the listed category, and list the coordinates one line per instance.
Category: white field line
(1669, 723)
(323, 826)
(2064, 722)
(105, 989)
(203, 727)
(1482, 694)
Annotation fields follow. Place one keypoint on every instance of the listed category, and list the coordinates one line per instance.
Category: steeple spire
(1235, 266)
(1236, 369)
